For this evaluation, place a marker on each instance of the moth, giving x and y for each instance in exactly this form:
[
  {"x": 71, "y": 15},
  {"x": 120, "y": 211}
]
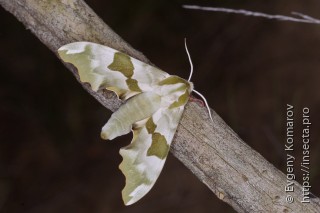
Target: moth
[{"x": 154, "y": 104}]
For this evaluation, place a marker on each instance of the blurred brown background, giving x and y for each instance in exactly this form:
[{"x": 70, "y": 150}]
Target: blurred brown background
[{"x": 51, "y": 156}]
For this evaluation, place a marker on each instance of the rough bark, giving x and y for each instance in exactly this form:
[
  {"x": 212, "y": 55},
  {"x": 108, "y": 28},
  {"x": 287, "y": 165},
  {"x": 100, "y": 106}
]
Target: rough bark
[{"x": 235, "y": 172}]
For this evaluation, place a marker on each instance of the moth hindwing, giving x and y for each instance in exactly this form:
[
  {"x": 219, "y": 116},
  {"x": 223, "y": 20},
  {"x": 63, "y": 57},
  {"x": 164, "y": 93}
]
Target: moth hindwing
[{"x": 155, "y": 102}]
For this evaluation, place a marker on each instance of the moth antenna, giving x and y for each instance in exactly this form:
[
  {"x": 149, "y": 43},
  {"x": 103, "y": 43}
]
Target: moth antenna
[
  {"x": 205, "y": 101},
  {"x": 191, "y": 65}
]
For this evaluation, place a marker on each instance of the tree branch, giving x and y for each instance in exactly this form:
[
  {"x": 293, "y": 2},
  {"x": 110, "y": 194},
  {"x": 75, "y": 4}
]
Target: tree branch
[{"x": 235, "y": 172}]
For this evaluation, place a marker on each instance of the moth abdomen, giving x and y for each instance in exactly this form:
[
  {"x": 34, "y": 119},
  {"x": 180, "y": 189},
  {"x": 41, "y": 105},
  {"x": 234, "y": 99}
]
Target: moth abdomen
[{"x": 136, "y": 109}]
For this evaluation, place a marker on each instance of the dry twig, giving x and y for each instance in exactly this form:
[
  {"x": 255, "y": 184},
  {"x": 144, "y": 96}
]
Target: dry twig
[{"x": 303, "y": 18}]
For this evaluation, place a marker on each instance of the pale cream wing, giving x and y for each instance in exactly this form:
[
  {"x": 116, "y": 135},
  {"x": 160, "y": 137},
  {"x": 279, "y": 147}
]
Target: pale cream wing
[{"x": 106, "y": 68}]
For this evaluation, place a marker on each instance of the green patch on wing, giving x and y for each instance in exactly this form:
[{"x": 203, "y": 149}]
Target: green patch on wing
[
  {"x": 172, "y": 80},
  {"x": 150, "y": 125},
  {"x": 122, "y": 63},
  {"x": 181, "y": 101},
  {"x": 133, "y": 85},
  {"x": 81, "y": 61},
  {"x": 159, "y": 146}
]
